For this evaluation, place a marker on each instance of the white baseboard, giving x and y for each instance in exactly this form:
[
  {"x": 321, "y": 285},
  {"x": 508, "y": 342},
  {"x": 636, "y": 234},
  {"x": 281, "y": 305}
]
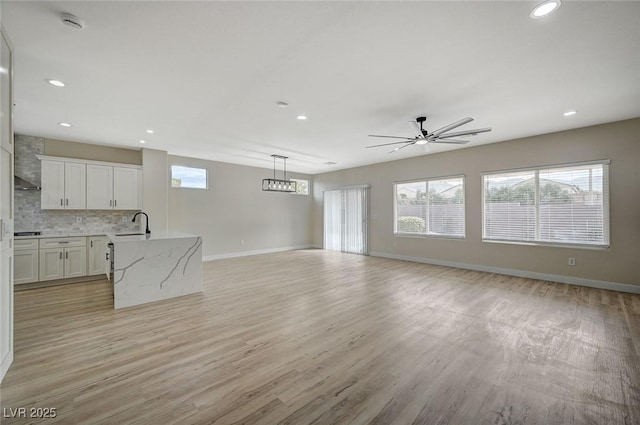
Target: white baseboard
[
  {"x": 317, "y": 246},
  {"x": 6, "y": 363},
  {"x": 255, "y": 252},
  {"x": 601, "y": 284}
]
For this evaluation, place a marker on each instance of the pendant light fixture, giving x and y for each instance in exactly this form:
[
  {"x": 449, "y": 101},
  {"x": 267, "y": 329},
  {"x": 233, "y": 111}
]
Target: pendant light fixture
[{"x": 279, "y": 185}]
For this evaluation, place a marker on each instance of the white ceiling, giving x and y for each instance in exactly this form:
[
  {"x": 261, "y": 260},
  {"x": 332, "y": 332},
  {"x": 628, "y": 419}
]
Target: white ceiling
[{"x": 206, "y": 75}]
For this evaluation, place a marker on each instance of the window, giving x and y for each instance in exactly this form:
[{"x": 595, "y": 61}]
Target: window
[
  {"x": 188, "y": 177},
  {"x": 565, "y": 205},
  {"x": 433, "y": 207},
  {"x": 302, "y": 186}
]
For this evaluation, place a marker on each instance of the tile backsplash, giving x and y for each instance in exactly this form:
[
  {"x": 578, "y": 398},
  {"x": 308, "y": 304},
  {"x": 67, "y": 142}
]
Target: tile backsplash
[{"x": 29, "y": 216}]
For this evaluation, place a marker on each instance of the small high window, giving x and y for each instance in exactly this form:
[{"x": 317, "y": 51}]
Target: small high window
[
  {"x": 302, "y": 186},
  {"x": 188, "y": 177}
]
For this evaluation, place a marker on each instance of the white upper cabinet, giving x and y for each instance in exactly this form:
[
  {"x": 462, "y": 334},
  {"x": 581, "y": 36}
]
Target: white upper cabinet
[
  {"x": 112, "y": 188},
  {"x": 52, "y": 193},
  {"x": 99, "y": 187},
  {"x": 75, "y": 186},
  {"x": 125, "y": 189},
  {"x": 64, "y": 185},
  {"x": 93, "y": 185}
]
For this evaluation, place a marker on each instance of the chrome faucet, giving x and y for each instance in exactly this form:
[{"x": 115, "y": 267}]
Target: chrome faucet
[{"x": 133, "y": 220}]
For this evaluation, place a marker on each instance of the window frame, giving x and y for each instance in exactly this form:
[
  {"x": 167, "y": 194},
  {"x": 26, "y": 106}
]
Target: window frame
[
  {"x": 186, "y": 187},
  {"x": 426, "y": 235},
  {"x": 606, "y": 230}
]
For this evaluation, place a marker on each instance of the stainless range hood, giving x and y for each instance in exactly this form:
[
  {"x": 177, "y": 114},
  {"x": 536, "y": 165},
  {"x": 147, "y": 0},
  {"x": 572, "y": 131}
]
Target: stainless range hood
[{"x": 21, "y": 184}]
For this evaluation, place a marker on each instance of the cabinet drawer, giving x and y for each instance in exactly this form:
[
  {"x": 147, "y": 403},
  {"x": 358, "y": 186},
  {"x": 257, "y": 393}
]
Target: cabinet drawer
[
  {"x": 23, "y": 244},
  {"x": 62, "y": 242}
]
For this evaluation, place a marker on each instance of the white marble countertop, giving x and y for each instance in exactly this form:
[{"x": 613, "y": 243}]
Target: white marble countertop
[
  {"x": 45, "y": 235},
  {"x": 153, "y": 236}
]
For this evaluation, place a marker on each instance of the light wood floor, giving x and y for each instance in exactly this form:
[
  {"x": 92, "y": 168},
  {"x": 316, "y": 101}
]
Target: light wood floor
[{"x": 328, "y": 338}]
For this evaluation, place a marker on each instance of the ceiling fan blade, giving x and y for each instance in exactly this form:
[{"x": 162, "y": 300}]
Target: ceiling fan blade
[
  {"x": 451, "y": 126},
  {"x": 402, "y": 147},
  {"x": 390, "y": 137},
  {"x": 450, "y": 141},
  {"x": 386, "y": 144},
  {"x": 467, "y": 132},
  {"x": 416, "y": 129}
]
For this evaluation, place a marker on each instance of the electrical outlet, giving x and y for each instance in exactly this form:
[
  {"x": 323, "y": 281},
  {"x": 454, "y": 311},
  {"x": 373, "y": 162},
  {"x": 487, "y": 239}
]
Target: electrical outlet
[
  {"x": 79, "y": 219},
  {"x": 125, "y": 218},
  {"x": 572, "y": 261}
]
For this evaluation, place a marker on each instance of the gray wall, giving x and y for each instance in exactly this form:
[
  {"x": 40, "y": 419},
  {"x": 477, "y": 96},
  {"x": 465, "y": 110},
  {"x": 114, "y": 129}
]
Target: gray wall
[
  {"x": 619, "y": 142},
  {"x": 155, "y": 188},
  {"x": 234, "y": 209}
]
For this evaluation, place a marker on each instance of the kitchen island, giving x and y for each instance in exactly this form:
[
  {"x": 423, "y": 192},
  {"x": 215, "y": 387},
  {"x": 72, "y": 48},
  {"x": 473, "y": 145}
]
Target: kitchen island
[{"x": 155, "y": 267}]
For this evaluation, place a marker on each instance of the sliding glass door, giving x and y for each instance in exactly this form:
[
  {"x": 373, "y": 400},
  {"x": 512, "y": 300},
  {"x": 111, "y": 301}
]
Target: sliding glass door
[{"x": 345, "y": 220}]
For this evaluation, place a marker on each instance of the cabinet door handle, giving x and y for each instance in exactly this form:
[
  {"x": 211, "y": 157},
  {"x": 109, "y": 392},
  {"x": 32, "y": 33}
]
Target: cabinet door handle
[
  {"x": 67, "y": 201},
  {"x": 115, "y": 203},
  {"x": 110, "y": 202},
  {"x": 61, "y": 255},
  {"x": 91, "y": 244},
  {"x": 66, "y": 255},
  {"x": 61, "y": 202},
  {"x": 61, "y": 242}
]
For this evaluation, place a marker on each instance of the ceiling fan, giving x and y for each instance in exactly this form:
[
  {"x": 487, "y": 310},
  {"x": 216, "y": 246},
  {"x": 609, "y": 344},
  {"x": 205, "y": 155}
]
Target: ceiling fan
[{"x": 422, "y": 136}]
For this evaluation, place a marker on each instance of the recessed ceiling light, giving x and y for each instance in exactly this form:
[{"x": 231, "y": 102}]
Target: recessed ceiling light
[
  {"x": 545, "y": 8},
  {"x": 53, "y": 82},
  {"x": 143, "y": 141},
  {"x": 150, "y": 131},
  {"x": 569, "y": 113},
  {"x": 282, "y": 104},
  {"x": 302, "y": 117},
  {"x": 64, "y": 124}
]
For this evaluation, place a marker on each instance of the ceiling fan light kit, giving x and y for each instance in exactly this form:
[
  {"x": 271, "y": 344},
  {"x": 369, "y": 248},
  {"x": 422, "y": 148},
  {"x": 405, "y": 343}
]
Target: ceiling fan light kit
[
  {"x": 423, "y": 137},
  {"x": 279, "y": 185}
]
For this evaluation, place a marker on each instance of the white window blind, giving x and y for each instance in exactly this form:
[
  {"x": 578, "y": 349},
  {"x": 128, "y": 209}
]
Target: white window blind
[
  {"x": 345, "y": 220},
  {"x": 565, "y": 205},
  {"x": 433, "y": 207}
]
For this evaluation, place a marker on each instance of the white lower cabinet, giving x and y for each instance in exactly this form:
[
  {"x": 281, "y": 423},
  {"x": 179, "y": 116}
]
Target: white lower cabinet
[
  {"x": 25, "y": 261},
  {"x": 96, "y": 258},
  {"x": 63, "y": 258},
  {"x": 25, "y": 265},
  {"x": 75, "y": 262},
  {"x": 51, "y": 264}
]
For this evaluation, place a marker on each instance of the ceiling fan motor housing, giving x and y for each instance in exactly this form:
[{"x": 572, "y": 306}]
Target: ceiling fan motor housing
[{"x": 420, "y": 120}]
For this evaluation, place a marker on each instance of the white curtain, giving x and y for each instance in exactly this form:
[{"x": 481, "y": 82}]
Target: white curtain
[{"x": 345, "y": 220}]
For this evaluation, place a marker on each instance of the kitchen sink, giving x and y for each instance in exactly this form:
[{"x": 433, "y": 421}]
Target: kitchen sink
[{"x": 129, "y": 234}]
